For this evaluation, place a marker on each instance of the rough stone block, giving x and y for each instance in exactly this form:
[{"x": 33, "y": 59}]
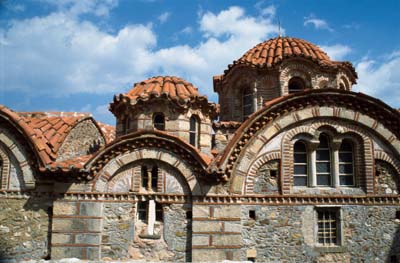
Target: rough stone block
[
  {"x": 227, "y": 240},
  {"x": 227, "y": 211},
  {"x": 63, "y": 224},
  {"x": 232, "y": 227},
  {"x": 237, "y": 184},
  {"x": 90, "y": 209},
  {"x": 67, "y": 252},
  {"x": 200, "y": 240},
  {"x": 93, "y": 253},
  {"x": 201, "y": 211},
  {"x": 61, "y": 239},
  {"x": 64, "y": 208},
  {"x": 202, "y": 255},
  {"x": 92, "y": 239},
  {"x": 206, "y": 226}
]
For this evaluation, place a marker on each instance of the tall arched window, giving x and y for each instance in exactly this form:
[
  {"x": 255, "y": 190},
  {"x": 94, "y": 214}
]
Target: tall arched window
[
  {"x": 247, "y": 102},
  {"x": 323, "y": 161},
  {"x": 300, "y": 175},
  {"x": 346, "y": 161},
  {"x": 159, "y": 121},
  {"x": 296, "y": 84},
  {"x": 194, "y": 131}
]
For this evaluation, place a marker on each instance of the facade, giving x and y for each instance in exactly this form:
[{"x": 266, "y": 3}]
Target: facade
[{"x": 289, "y": 166}]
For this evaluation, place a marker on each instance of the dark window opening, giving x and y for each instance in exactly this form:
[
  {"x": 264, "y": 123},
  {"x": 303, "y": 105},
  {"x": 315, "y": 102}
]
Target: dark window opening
[
  {"x": 251, "y": 259},
  {"x": 142, "y": 211},
  {"x": 154, "y": 178},
  {"x": 341, "y": 86},
  {"x": 300, "y": 169},
  {"x": 393, "y": 259},
  {"x": 273, "y": 173},
  {"x": 159, "y": 121},
  {"x": 159, "y": 212},
  {"x": 296, "y": 84},
  {"x": 398, "y": 214},
  {"x": 247, "y": 103},
  {"x": 194, "y": 131},
  {"x": 189, "y": 215},
  {"x": 145, "y": 177},
  {"x": 252, "y": 214}
]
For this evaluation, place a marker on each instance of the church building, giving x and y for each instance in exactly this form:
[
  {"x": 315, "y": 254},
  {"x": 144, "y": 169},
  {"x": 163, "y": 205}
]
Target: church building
[{"x": 291, "y": 165}]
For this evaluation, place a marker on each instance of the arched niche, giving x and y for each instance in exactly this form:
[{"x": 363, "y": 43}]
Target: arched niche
[{"x": 117, "y": 164}]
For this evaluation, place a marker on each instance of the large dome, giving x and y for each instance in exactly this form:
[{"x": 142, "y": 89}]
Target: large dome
[{"x": 273, "y": 51}]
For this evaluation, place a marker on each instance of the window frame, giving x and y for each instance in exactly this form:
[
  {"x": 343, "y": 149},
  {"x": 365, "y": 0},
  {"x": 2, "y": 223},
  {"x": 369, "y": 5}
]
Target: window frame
[
  {"x": 303, "y": 164},
  {"x": 247, "y": 102},
  {"x": 337, "y": 211},
  {"x": 350, "y": 142},
  {"x": 194, "y": 131}
]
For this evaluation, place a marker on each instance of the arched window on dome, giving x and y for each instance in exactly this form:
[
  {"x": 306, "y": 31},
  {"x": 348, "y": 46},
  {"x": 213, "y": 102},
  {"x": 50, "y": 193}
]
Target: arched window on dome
[
  {"x": 159, "y": 121},
  {"x": 194, "y": 131},
  {"x": 247, "y": 102},
  {"x": 296, "y": 84}
]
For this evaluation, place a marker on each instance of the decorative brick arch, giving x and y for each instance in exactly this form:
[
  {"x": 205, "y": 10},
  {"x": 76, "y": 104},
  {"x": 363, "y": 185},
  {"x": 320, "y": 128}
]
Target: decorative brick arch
[
  {"x": 295, "y": 69},
  {"x": 4, "y": 169},
  {"x": 340, "y": 130},
  {"x": 381, "y": 155},
  {"x": 260, "y": 161},
  {"x": 8, "y": 145},
  {"x": 110, "y": 169}
]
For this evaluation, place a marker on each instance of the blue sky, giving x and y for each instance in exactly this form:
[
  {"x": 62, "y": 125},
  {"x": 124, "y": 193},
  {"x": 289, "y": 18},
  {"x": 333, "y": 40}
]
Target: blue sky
[{"x": 74, "y": 55}]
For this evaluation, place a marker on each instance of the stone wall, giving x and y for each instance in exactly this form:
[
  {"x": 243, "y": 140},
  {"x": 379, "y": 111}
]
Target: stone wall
[
  {"x": 24, "y": 229},
  {"x": 287, "y": 234}
]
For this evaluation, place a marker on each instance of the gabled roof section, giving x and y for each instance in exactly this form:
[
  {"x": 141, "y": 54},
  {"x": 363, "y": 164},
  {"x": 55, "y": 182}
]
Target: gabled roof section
[{"x": 108, "y": 131}]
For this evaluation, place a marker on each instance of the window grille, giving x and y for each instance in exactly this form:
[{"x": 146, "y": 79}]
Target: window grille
[
  {"x": 327, "y": 227},
  {"x": 142, "y": 211},
  {"x": 346, "y": 167},
  {"x": 323, "y": 162}
]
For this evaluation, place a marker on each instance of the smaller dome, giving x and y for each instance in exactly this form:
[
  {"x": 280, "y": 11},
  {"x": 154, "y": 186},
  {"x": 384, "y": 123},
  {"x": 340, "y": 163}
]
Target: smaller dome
[{"x": 173, "y": 88}]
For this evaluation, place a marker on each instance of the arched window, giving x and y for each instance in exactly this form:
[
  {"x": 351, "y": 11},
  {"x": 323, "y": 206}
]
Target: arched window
[
  {"x": 323, "y": 161},
  {"x": 300, "y": 175},
  {"x": 145, "y": 177},
  {"x": 159, "y": 121},
  {"x": 247, "y": 102},
  {"x": 154, "y": 178},
  {"x": 341, "y": 86},
  {"x": 296, "y": 84},
  {"x": 194, "y": 131},
  {"x": 346, "y": 163}
]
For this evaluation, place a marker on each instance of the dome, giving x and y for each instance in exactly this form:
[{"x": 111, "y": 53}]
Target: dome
[
  {"x": 170, "y": 88},
  {"x": 174, "y": 88},
  {"x": 273, "y": 51}
]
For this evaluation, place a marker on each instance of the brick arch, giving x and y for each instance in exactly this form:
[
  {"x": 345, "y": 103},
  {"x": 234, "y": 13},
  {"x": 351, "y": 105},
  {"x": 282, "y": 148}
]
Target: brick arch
[
  {"x": 340, "y": 130},
  {"x": 295, "y": 70},
  {"x": 107, "y": 173},
  {"x": 5, "y": 169},
  {"x": 383, "y": 156},
  {"x": 260, "y": 161},
  {"x": 9, "y": 146}
]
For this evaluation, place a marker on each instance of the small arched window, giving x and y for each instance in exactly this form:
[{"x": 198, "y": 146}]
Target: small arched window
[
  {"x": 346, "y": 163},
  {"x": 341, "y": 86},
  {"x": 247, "y": 102},
  {"x": 145, "y": 177},
  {"x": 159, "y": 121},
  {"x": 154, "y": 178},
  {"x": 194, "y": 131},
  {"x": 296, "y": 84},
  {"x": 300, "y": 175},
  {"x": 323, "y": 161}
]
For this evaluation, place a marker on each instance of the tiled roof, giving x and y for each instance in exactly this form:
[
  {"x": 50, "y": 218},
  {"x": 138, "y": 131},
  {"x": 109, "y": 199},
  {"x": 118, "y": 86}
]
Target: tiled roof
[
  {"x": 272, "y": 52},
  {"x": 51, "y": 128},
  {"x": 108, "y": 131},
  {"x": 173, "y": 88}
]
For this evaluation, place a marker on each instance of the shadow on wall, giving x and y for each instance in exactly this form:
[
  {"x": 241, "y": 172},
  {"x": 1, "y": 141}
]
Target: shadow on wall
[{"x": 394, "y": 253}]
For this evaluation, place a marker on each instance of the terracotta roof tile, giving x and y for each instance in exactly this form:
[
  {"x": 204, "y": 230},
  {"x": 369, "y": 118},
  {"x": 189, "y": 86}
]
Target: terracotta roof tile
[
  {"x": 272, "y": 52},
  {"x": 108, "y": 131},
  {"x": 49, "y": 129}
]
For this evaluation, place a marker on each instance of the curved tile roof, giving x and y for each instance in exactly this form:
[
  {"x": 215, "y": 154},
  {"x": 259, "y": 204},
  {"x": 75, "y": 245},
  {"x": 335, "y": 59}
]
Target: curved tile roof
[{"x": 273, "y": 51}]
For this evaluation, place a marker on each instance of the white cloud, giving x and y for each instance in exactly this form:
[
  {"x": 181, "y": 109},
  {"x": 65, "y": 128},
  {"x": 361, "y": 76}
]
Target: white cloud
[
  {"x": 337, "y": 52},
  {"x": 60, "y": 54},
  {"x": 381, "y": 79},
  {"x": 78, "y": 7},
  {"x": 317, "y": 23},
  {"x": 164, "y": 17}
]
